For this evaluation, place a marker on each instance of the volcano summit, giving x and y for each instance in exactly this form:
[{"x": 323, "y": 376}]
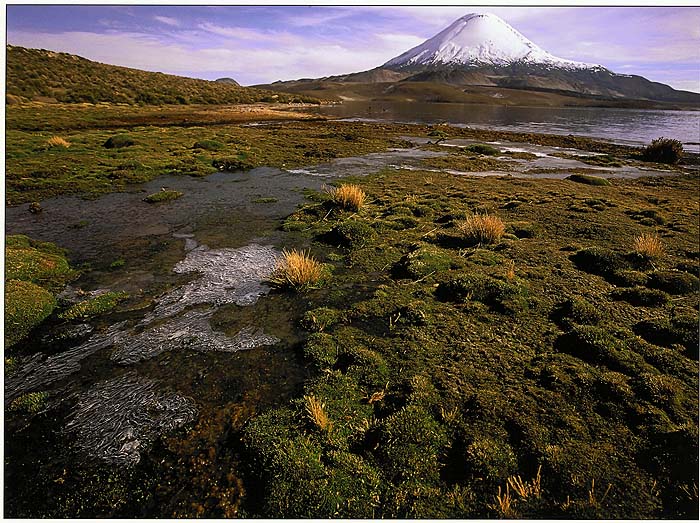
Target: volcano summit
[{"x": 477, "y": 40}]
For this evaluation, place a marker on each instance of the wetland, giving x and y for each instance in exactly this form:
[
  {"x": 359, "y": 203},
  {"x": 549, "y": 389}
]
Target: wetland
[{"x": 153, "y": 368}]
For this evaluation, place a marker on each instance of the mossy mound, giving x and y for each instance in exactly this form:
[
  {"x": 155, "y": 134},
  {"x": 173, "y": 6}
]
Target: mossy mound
[
  {"x": 588, "y": 179},
  {"x": 118, "y": 141},
  {"x": 352, "y": 234},
  {"x": 422, "y": 262},
  {"x": 501, "y": 296},
  {"x": 26, "y": 306},
  {"x": 598, "y": 346},
  {"x": 240, "y": 162},
  {"x": 681, "y": 330},
  {"x": 208, "y": 145},
  {"x": 30, "y": 403},
  {"x": 674, "y": 282},
  {"x": 642, "y": 297},
  {"x": 318, "y": 320},
  {"x": 99, "y": 305},
  {"x": 600, "y": 261},
  {"x": 42, "y": 263},
  {"x": 481, "y": 148},
  {"x": 163, "y": 196},
  {"x": 578, "y": 311}
]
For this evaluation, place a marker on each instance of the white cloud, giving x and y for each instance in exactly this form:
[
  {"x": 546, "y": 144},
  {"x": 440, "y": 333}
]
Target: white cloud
[
  {"x": 247, "y": 65},
  {"x": 167, "y": 20}
]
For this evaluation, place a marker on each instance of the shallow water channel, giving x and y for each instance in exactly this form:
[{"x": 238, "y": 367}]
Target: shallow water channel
[{"x": 200, "y": 332}]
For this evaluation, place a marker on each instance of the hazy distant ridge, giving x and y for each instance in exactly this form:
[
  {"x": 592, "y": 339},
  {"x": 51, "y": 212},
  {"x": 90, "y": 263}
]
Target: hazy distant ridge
[{"x": 34, "y": 74}]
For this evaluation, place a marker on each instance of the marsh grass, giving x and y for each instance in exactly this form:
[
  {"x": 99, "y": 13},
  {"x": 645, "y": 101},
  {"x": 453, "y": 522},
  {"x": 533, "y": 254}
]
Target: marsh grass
[
  {"x": 648, "y": 246},
  {"x": 482, "y": 228},
  {"x": 297, "y": 270},
  {"x": 349, "y": 197},
  {"x": 57, "y": 141}
]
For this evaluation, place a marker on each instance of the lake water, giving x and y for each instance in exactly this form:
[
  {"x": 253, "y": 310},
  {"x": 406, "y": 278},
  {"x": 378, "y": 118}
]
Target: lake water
[{"x": 626, "y": 126}]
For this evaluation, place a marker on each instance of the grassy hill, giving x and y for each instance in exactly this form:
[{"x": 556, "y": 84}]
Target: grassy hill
[{"x": 41, "y": 75}]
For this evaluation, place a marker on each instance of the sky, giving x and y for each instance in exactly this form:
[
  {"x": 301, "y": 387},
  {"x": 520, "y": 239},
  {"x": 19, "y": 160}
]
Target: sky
[{"x": 262, "y": 44}]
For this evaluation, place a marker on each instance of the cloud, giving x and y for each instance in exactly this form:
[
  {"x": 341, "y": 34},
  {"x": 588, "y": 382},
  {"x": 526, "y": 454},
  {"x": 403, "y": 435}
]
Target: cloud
[
  {"x": 248, "y": 65},
  {"x": 167, "y": 20}
]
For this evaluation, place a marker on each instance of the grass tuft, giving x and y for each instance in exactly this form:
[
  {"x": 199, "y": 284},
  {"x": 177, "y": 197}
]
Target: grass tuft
[
  {"x": 350, "y": 197},
  {"x": 482, "y": 228},
  {"x": 316, "y": 410},
  {"x": 57, "y": 141},
  {"x": 297, "y": 270},
  {"x": 648, "y": 246}
]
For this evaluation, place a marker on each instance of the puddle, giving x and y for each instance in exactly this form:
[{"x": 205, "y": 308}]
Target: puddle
[
  {"x": 544, "y": 160},
  {"x": 369, "y": 163}
]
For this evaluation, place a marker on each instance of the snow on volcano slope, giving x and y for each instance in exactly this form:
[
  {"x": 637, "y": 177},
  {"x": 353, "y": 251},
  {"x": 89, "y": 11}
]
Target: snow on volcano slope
[{"x": 481, "y": 39}]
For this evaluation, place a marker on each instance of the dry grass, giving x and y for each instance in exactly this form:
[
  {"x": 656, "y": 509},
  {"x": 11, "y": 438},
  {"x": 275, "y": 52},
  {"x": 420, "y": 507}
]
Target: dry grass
[
  {"x": 350, "y": 197},
  {"x": 297, "y": 270},
  {"x": 593, "y": 499},
  {"x": 527, "y": 489},
  {"x": 482, "y": 228},
  {"x": 316, "y": 411},
  {"x": 449, "y": 416},
  {"x": 648, "y": 246},
  {"x": 510, "y": 270},
  {"x": 504, "y": 503},
  {"x": 57, "y": 141}
]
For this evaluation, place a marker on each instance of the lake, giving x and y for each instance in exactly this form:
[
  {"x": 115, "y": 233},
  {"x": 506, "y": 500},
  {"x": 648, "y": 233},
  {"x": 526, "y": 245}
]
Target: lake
[{"x": 625, "y": 126}]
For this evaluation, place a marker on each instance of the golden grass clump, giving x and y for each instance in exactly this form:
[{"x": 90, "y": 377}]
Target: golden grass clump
[
  {"x": 527, "y": 489},
  {"x": 57, "y": 141},
  {"x": 482, "y": 228},
  {"x": 349, "y": 196},
  {"x": 648, "y": 246},
  {"x": 504, "y": 503},
  {"x": 316, "y": 411},
  {"x": 297, "y": 270}
]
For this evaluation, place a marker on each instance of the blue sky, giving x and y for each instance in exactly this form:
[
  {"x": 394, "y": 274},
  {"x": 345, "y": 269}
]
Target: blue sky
[{"x": 261, "y": 44}]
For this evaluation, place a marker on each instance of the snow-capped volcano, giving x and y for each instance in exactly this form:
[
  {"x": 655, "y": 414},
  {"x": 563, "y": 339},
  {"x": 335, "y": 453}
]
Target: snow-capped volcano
[{"x": 480, "y": 39}]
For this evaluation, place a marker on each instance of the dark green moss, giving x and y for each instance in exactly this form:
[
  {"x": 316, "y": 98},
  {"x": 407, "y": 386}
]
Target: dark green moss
[
  {"x": 241, "y": 162},
  {"x": 680, "y": 330},
  {"x": 480, "y": 148},
  {"x": 353, "y": 234},
  {"x": 588, "y": 179},
  {"x": 163, "y": 196},
  {"x": 599, "y": 261},
  {"x": 318, "y": 320},
  {"x": 422, "y": 262},
  {"x": 409, "y": 445},
  {"x": 499, "y": 295},
  {"x": 26, "y": 306},
  {"x": 577, "y": 310},
  {"x": 118, "y": 141},
  {"x": 208, "y": 145},
  {"x": 321, "y": 350},
  {"x": 30, "y": 403},
  {"x": 674, "y": 282},
  {"x": 99, "y": 305},
  {"x": 598, "y": 346},
  {"x": 628, "y": 278},
  {"x": 642, "y": 297}
]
